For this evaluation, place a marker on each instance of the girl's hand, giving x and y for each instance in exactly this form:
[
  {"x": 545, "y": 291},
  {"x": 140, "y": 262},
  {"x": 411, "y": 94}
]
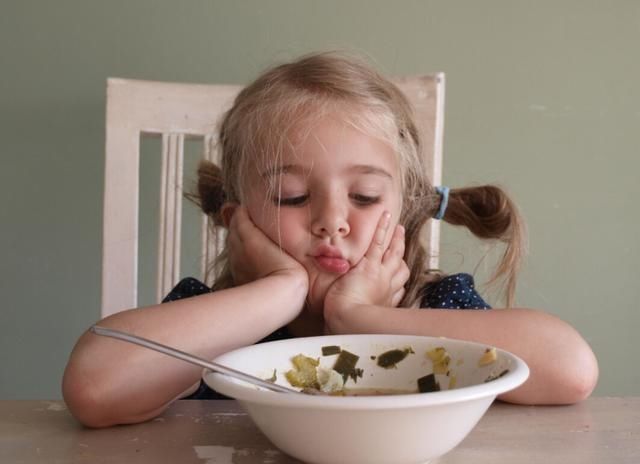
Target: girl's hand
[
  {"x": 253, "y": 255},
  {"x": 378, "y": 279}
]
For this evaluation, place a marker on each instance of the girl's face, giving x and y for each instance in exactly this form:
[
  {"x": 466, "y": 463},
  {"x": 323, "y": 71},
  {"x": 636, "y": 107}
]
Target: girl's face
[{"x": 332, "y": 188}]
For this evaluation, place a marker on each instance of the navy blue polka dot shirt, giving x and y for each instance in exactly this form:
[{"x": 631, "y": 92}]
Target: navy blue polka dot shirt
[{"x": 456, "y": 291}]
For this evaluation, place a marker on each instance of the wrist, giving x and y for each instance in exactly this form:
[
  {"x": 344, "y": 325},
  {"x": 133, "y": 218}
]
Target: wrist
[
  {"x": 340, "y": 315},
  {"x": 296, "y": 282}
]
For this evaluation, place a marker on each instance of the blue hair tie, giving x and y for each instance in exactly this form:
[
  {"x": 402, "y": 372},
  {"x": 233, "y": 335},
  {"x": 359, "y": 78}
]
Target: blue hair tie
[{"x": 444, "y": 201}]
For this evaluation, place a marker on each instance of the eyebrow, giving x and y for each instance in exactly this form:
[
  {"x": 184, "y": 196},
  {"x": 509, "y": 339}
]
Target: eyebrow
[
  {"x": 285, "y": 169},
  {"x": 369, "y": 169},
  {"x": 299, "y": 170}
]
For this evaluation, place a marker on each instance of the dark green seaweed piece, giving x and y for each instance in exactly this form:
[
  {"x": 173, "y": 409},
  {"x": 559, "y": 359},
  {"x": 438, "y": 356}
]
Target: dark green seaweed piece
[
  {"x": 329, "y": 350},
  {"x": 357, "y": 372},
  {"x": 495, "y": 377},
  {"x": 390, "y": 358},
  {"x": 346, "y": 365},
  {"x": 428, "y": 383}
]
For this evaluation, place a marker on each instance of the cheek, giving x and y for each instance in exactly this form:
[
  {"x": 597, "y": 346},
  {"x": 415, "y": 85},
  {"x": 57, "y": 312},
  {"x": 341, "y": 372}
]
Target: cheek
[
  {"x": 282, "y": 228},
  {"x": 367, "y": 224},
  {"x": 362, "y": 230}
]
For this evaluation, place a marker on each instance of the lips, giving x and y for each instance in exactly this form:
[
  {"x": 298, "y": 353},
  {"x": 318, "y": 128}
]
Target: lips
[{"x": 330, "y": 259}]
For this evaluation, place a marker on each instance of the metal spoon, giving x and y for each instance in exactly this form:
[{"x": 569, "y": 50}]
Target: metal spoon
[{"x": 190, "y": 358}]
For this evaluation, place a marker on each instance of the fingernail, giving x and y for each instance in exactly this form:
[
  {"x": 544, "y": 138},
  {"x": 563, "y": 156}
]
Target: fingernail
[{"x": 401, "y": 229}]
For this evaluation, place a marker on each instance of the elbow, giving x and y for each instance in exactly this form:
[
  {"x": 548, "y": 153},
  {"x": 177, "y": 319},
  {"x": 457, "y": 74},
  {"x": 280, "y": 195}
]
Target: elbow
[
  {"x": 568, "y": 379},
  {"x": 575, "y": 377},
  {"x": 96, "y": 405},
  {"x": 83, "y": 400},
  {"x": 574, "y": 374},
  {"x": 584, "y": 378}
]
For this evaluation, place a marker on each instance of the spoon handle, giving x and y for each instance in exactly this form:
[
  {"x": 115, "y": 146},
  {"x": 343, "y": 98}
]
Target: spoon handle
[{"x": 103, "y": 331}]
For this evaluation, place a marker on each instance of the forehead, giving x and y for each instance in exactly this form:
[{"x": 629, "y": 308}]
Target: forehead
[
  {"x": 335, "y": 142},
  {"x": 340, "y": 144}
]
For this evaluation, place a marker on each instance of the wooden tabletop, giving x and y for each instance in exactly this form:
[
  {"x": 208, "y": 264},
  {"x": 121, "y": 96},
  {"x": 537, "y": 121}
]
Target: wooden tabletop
[{"x": 599, "y": 430}]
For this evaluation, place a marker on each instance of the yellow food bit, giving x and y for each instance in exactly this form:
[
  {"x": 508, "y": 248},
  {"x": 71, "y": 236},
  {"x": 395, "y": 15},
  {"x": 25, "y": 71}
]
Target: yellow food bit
[
  {"x": 437, "y": 354},
  {"x": 440, "y": 359},
  {"x": 488, "y": 357},
  {"x": 304, "y": 375},
  {"x": 452, "y": 382},
  {"x": 302, "y": 362}
]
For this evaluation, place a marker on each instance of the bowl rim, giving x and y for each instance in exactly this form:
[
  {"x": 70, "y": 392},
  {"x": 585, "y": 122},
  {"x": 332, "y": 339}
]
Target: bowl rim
[{"x": 242, "y": 391}]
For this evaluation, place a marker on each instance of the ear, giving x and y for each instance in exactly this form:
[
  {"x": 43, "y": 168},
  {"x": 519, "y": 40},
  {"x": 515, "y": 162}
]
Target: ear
[{"x": 226, "y": 213}]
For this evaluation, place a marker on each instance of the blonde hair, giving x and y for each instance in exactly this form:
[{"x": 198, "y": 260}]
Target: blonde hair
[{"x": 292, "y": 96}]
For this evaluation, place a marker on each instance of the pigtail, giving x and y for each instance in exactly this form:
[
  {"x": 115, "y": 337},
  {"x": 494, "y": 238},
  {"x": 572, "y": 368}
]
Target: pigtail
[
  {"x": 489, "y": 213},
  {"x": 210, "y": 194}
]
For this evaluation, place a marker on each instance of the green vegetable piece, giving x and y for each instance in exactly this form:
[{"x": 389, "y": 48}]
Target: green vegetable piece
[
  {"x": 428, "y": 383},
  {"x": 357, "y": 372},
  {"x": 346, "y": 365},
  {"x": 390, "y": 358},
  {"x": 330, "y": 350}
]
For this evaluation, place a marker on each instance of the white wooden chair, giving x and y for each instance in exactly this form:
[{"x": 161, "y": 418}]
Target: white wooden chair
[{"x": 176, "y": 111}]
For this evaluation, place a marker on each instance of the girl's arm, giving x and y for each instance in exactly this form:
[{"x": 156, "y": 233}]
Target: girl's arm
[
  {"x": 109, "y": 382},
  {"x": 563, "y": 368}
]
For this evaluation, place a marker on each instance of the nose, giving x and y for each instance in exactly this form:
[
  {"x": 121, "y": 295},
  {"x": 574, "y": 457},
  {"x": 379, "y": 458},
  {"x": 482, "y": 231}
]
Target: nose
[{"x": 329, "y": 219}]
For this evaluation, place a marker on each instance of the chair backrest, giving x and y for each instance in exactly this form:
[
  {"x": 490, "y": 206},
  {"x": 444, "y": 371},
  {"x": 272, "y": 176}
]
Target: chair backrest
[{"x": 176, "y": 111}]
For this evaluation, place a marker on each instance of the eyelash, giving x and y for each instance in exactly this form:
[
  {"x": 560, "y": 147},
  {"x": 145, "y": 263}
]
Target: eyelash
[
  {"x": 360, "y": 200},
  {"x": 292, "y": 201}
]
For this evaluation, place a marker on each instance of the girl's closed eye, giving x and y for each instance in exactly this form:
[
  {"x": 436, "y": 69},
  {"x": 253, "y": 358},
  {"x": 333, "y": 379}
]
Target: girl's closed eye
[
  {"x": 297, "y": 200},
  {"x": 365, "y": 200}
]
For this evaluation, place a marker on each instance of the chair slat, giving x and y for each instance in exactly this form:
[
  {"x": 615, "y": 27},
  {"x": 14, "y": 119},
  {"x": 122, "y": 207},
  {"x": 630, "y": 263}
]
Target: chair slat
[
  {"x": 208, "y": 248},
  {"x": 170, "y": 213},
  {"x": 177, "y": 192}
]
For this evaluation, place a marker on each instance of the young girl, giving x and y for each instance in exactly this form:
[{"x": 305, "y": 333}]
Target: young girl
[{"x": 324, "y": 193}]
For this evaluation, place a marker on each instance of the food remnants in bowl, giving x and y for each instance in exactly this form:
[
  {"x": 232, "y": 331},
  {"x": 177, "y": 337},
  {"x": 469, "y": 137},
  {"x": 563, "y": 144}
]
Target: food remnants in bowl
[
  {"x": 440, "y": 359},
  {"x": 311, "y": 377},
  {"x": 345, "y": 365},
  {"x": 428, "y": 383},
  {"x": 488, "y": 357},
  {"x": 390, "y": 359},
  {"x": 308, "y": 374},
  {"x": 304, "y": 373}
]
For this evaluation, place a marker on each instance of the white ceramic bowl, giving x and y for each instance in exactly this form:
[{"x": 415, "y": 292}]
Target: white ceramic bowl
[{"x": 401, "y": 429}]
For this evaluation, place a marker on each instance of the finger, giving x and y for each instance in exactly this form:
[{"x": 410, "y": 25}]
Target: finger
[
  {"x": 397, "y": 297},
  {"x": 399, "y": 277},
  {"x": 395, "y": 252},
  {"x": 243, "y": 223},
  {"x": 376, "y": 248}
]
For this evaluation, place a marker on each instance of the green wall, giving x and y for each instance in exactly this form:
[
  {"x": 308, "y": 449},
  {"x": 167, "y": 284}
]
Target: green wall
[{"x": 542, "y": 98}]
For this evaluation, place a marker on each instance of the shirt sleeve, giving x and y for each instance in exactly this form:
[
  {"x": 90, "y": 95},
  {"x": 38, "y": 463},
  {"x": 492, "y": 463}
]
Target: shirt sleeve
[
  {"x": 456, "y": 291},
  {"x": 186, "y": 288}
]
